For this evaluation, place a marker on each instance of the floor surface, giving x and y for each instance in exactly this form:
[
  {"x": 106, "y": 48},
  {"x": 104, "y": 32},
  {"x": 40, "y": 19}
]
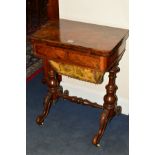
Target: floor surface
[{"x": 69, "y": 128}]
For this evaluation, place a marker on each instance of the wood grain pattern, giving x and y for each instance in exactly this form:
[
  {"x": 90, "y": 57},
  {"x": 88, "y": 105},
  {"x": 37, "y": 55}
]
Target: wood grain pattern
[
  {"x": 71, "y": 57},
  {"x": 85, "y": 60},
  {"x": 84, "y": 37},
  {"x": 58, "y": 53}
]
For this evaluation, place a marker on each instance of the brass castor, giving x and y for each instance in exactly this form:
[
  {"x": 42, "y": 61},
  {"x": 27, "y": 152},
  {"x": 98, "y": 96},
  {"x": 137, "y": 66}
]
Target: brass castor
[
  {"x": 40, "y": 120},
  {"x": 98, "y": 145}
]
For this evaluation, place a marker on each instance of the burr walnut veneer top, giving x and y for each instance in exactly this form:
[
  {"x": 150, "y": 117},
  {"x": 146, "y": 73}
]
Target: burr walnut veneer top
[{"x": 87, "y": 38}]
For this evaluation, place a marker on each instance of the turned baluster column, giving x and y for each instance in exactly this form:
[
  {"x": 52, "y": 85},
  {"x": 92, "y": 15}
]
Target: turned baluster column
[
  {"x": 110, "y": 105},
  {"x": 110, "y": 99}
]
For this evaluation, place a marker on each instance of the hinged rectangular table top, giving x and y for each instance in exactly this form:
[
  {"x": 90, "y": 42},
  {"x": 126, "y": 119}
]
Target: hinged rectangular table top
[{"x": 87, "y": 38}]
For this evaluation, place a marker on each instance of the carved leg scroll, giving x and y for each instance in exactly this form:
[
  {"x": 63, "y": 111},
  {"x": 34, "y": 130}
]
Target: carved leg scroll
[
  {"x": 47, "y": 106},
  {"x": 53, "y": 91},
  {"x": 110, "y": 108}
]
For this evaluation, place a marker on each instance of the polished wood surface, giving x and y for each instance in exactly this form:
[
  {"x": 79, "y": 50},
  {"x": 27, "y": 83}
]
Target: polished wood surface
[
  {"x": 54, "y": 42},
  {"x": 89, "y": 38},
  {"x": 53, "y": 9},
  {"x": 52, "y": 95},
  {"x": 88, "y": 46},
  {"x": 110, "y": 108}
]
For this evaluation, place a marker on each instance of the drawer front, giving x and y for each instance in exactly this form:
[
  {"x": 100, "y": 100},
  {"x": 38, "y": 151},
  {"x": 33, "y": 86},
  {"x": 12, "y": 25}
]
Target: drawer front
[
  {"x": 50, "y": 52},
  {"x": 71, "y": 57},
  {"x": 84, "y": 60}
]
